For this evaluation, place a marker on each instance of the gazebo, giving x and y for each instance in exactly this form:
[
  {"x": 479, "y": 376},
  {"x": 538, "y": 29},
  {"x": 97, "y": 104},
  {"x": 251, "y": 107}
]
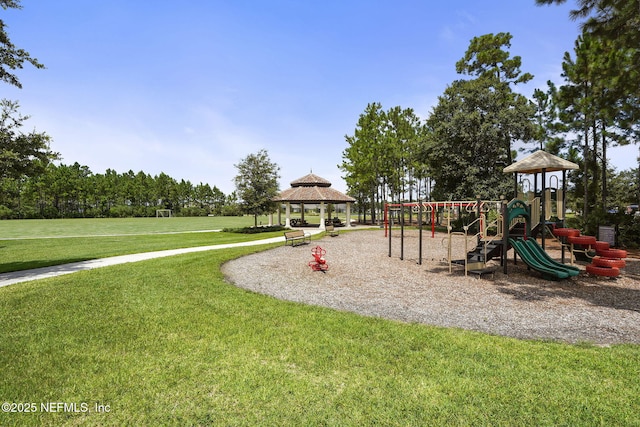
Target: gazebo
[{"x": 313, "y": 189}]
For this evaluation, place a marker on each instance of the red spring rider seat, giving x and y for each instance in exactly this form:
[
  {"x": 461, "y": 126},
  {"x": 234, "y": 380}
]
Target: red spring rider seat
[{"x": 318, "y": 263}]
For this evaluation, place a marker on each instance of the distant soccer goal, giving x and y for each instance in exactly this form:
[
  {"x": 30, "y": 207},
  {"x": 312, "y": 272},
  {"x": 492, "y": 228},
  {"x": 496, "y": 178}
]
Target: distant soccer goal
[{"x": 163, "y": 213}]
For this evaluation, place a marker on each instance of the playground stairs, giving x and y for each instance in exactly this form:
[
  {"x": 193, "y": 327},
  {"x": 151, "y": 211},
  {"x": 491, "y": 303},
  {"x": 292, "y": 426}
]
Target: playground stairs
[
  {"x": 480, "y": 256},
  {"x": 477, "y": 259},
  {"x": 483, "y": 255}
]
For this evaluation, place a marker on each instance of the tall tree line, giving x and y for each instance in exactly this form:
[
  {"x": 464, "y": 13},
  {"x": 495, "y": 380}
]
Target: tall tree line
[
  {"x": 598, "y": 106},
  {"x": 460, "y": 150},
  {"x": 73, "y": 191},
  {"x": 381, "y": 160},
  {"x": 468, "y": 137},
  {"x": 32, "y": 186}
]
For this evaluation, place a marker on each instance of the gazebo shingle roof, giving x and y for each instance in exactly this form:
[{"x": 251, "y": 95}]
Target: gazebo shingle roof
[
  {"x": 310, "y": 181},
  {"x": 312, "y": 189}
]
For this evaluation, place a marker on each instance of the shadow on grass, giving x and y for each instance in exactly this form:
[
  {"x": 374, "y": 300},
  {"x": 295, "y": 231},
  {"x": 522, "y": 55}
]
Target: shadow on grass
[{"x": 31, "y": 265}]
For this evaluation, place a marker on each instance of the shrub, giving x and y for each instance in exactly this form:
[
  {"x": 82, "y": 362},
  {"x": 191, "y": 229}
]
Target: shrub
[
  {"x": 192, "y": 211},
  {"x": 254, "y": 230},
  {"x": 5, "y": 212},
  {"x": 120, "y": 211},
  {"x": 627, "y": 226}
]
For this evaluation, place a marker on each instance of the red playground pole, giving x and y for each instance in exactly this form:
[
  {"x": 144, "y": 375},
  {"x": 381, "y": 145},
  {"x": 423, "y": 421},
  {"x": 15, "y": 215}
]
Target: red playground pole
[{"x": 433, "y": 222}]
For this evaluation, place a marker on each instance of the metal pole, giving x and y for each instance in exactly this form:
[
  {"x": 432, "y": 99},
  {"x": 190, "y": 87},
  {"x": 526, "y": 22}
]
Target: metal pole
[
  {"x": 420, "y": 232},
  {"x": 390, "y": 226},
  {"x": 386, "y": 218},
  {"x": 505, "y": 235},
  {"x": 542, "y": 199},
  {"x": 433, "y": 220},
  {"x": 402, "y": 231},
  {"x": 564, "y": 209}
]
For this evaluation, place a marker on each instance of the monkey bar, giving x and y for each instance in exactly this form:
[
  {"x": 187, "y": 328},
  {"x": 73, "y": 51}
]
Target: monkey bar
[{"x": 478, "y": 206}]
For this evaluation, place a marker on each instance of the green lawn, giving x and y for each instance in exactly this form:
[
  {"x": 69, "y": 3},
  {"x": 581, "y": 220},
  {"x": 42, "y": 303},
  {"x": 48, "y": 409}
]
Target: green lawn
[
  {"x": 168, "y": 342},
  {"x": 39, "y": 228},
  {"x": 100, "y": 238}
]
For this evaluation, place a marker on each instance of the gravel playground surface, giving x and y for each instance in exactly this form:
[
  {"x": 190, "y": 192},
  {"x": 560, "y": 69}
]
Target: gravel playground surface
[{"x": 363, "y": 279}]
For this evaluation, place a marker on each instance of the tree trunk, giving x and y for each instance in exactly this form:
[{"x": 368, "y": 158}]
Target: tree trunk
[
  {"x": 596, "y": 166},
  {"x": 604, "y": 168},
  {"x": 638, "y": 182},
  {"x": 585, "y": 181}
]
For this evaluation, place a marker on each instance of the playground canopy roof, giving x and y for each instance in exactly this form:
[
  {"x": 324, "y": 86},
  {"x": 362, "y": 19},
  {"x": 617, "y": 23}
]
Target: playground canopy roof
[
  {"x": 538, "y": 161},
  {"x": 312, "y": 189}
]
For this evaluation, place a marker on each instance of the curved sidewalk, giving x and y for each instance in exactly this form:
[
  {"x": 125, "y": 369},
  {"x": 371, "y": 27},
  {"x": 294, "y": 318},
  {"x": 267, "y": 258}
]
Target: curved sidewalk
[{"x": 14, "y": 277}]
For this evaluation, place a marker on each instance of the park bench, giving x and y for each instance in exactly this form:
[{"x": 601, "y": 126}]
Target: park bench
[
  {"x": 331, "y": 230},
  {"x": 296, "y": 237}
]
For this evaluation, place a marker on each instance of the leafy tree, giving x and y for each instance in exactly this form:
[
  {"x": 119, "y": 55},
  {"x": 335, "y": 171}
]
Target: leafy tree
[
  {"x": 592, "y": 110},
  {"x": 166, "y": 191},
  {"x": 382, "y": 160},
  {"x": 486, "y": 59},
  {"x": 257, "y": 184},
  {"x": 624, "y": 189},
  {"x": 617, "y": 22},
  {"x": 547, "y": 122},
  {"x": 12, "y": 58},
  {"x": 362, "y": 159},
  {"x": 21, "y": 154},
  {"x": 402, "y": 134},
  {"x": 470, "y": 131},
  {"x": 463, "y": 156}
]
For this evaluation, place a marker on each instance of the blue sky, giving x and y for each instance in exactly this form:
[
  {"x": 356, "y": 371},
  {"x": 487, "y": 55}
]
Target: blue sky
[{"x": 190, "y": 88}]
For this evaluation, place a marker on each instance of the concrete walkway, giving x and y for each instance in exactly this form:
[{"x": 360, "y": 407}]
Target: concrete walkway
[{"x": 14, "y": 277}]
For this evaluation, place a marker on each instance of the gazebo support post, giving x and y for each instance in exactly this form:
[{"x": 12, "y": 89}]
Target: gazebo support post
[
  {"x": 287, "y": 221},
  {"x": 348, "y": 214},
  {"x": 322, "y": 226}
]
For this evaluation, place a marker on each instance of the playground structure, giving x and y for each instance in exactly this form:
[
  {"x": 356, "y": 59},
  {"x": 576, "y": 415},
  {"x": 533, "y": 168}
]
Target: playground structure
[
  {"x": 319, "y": 263},
  {"x": 487, "y": 225},
  {"x": 503, "y": 225},
  {"x": 499, "y": 227}
]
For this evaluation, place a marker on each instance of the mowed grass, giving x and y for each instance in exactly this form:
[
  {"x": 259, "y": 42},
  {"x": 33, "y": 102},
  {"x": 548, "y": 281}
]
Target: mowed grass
[
  {"x": 80, "y": 227},
  {"x": 169, "y": 342},
  {"x": 39, "y": 243}
]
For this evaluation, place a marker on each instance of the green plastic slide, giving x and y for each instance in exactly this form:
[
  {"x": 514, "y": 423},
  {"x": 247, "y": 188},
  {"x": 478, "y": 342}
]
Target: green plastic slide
[
  {"x": 541, "y": 254},
  {"x": 527, "y": 256}
]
